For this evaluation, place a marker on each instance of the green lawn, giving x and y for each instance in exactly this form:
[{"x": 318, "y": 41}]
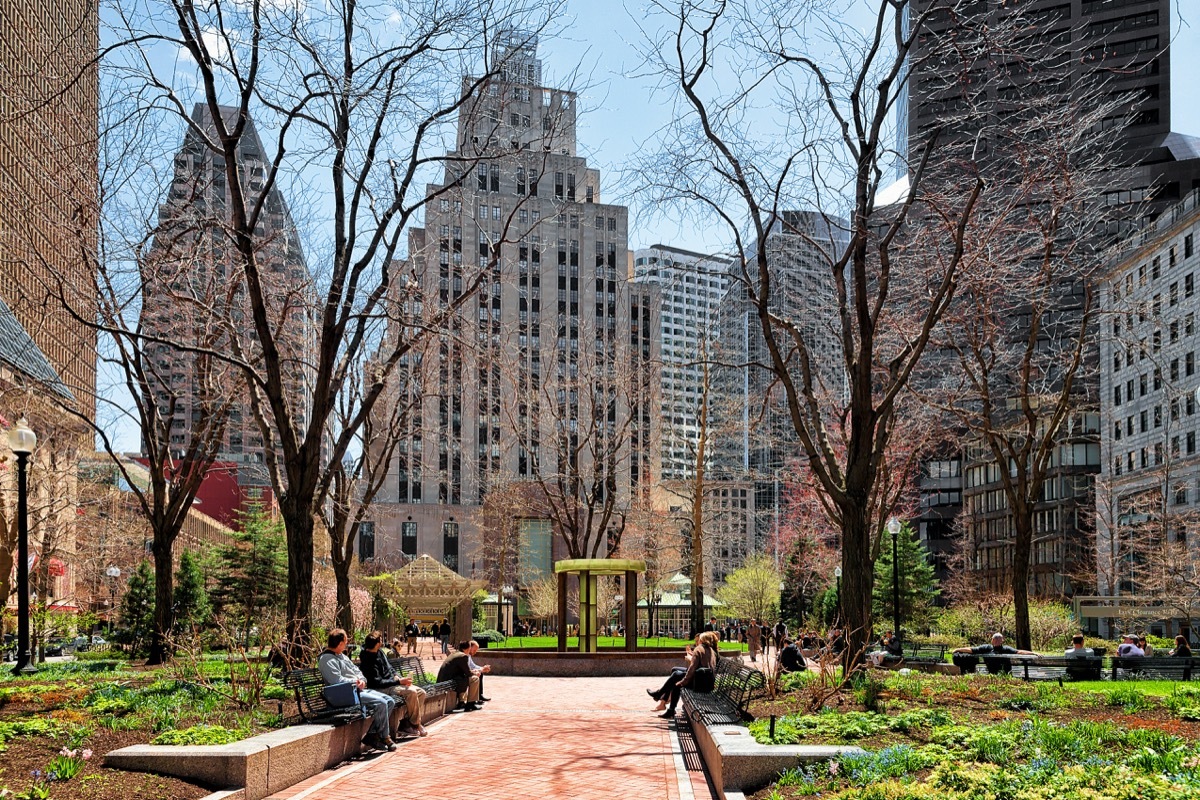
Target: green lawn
[{"x": 1155, "y": 688}]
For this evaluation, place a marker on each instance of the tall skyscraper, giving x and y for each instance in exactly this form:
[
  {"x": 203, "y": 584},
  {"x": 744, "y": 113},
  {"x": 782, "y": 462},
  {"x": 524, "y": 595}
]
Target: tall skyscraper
[
  {"x": 1148, "y": 497},
  {"x": 758, "y": 439},
  {"x": 48, "y": 178},
  {"x": 1123, "y": 45},
  {"x": 692, "y": 286},
  {"x": 1126, "y": 43},
  {"x": 193, "y": 296},
  {"x": 543, "y": 375}
]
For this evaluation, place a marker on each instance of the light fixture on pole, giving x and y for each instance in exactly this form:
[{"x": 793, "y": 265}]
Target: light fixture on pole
[
  {"x": 837, "y": 573},
  {"x": 893, "y": 527},
  {"x": 22, "y": 440},
  {"x": 113, "y": 573}
]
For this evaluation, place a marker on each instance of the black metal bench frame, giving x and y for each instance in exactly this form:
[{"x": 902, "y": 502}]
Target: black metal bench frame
[
  {"x": 918, "y": 654},
  {"x": 1031, "y": 668},
  {"x": 309, "y": 688},
  {"x": 1155, "y": 668},
  {"x": 728, "y": 703},
  {"x": 411, "y": 667}
]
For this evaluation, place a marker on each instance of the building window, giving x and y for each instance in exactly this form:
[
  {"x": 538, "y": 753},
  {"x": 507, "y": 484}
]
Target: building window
[
  {"x": 408, "y": 539},
  {"x": 366, "y": 541},
  {"x": 450, "y": 545}
]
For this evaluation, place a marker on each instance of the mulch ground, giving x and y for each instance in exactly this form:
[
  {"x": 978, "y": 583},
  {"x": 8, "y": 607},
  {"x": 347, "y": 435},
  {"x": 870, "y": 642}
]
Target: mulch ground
[
  {"x": 980, "y": 705},
  {"x": 94, "y": 782}
]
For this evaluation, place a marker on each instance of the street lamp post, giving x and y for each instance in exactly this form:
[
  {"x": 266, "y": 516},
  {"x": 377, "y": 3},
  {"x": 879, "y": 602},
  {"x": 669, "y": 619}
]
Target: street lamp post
[
  {"x": 22, "y": 440},
  {"x": 837, "y": 573},
  {"x": 113, "y": 573},
  {"x": 893, "y": 527}
]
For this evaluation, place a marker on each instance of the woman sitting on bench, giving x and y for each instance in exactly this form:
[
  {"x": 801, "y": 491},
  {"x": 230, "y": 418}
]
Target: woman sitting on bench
[{"x": 699, "y": 675}]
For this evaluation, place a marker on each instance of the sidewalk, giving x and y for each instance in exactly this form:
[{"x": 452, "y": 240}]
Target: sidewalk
[{"x": 539, "y": 738}]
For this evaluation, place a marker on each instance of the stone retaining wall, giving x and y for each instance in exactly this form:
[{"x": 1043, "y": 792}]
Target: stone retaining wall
[
  {"x": 738, "y": 764},
  {"x": 265, "y": 764}
]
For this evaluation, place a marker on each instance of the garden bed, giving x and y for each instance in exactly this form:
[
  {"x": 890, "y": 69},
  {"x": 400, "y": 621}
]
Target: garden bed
[
  {"x": 57, "y": 725},
  {"x": 988, "y": 738}
]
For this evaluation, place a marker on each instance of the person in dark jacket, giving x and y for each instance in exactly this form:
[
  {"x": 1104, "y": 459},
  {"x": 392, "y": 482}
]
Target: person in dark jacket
[
  {"x": 457, "y": 668},
  {"x": 790, "y": 657},
  {"x": 443, "y": 632},
  {"x": 382, "y": 677}
]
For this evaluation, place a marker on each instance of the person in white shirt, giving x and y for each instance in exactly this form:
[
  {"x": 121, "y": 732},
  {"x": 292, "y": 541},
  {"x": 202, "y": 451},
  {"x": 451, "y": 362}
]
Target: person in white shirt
[
  {"x": 478, "y": 670},
  {"x": 1129, "y": 648},
  {"x": 336, "y": 667}
]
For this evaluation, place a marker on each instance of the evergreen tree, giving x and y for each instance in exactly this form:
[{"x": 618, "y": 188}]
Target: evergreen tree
[
  {"x": 918, "y": 587},
  {"x": 252, "y": 577},
  {"x": 192, "y": 607},
  {"x": 137, "y": 609}
]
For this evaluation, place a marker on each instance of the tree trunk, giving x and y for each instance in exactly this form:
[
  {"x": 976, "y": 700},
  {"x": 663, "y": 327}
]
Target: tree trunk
[
  {"x": 857, "y": 580},
  {"x": 298, "y": 523},
  {"x": 345, "y": 614},
  {"x": 164, "y": 600},
  {"x": 1022, "y": 543}
]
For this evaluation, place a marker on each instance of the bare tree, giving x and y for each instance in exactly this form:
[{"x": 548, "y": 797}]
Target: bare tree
[
  {"x": 356, "y": 483},
  {"x": 835, "y": 85},
  {"x": 1023, "y": 332},
  {"x": 573, "y": 430},
  {"x": 359, "y": 98}
]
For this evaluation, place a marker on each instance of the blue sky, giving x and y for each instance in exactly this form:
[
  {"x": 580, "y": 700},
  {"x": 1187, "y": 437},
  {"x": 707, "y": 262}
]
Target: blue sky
[{"x": 619, "y": 113}]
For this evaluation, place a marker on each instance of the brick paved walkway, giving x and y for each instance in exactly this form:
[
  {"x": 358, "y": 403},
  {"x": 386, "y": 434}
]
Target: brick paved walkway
[{"x": 539, "y": 738}]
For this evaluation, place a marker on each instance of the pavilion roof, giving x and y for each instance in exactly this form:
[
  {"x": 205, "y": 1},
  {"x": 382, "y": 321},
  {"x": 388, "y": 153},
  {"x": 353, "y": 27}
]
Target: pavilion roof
[{"x": 428, "y": 587}]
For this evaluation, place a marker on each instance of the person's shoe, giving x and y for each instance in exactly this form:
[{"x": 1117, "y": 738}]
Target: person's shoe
[
  {"x": 483, "y": 699},
  {"x": 668, "y": 714},
  {"x": 374, "y": 743},
  {"x": 421, "y": 731},
  {"x": 472, "y": 707},
  {"x": 653, "y": 695},
  {"x": 389, "y": 745}
]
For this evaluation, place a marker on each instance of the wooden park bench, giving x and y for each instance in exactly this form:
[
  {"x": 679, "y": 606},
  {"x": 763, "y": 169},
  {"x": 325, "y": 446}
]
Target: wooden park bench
[
  {"x": 309, "y": 688},
  {"x": 411, "y": 667},
  {"x": 1155, "y": 668},
  {"x": 729, "y": 701}
]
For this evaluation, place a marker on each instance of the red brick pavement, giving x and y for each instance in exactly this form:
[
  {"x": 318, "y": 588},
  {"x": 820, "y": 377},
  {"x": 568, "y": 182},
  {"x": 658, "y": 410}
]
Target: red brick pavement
[{"x": 539, "y": 738}]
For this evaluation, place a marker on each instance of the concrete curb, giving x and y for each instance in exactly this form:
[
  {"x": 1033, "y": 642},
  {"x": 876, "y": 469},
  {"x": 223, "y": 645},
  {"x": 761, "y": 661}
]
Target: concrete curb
[
  {"x": 262, "y": 765},
  {"x": 738, "y": 764}
]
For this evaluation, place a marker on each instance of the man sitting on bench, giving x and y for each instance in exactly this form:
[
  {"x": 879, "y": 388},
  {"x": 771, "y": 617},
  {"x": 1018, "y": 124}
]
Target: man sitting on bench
[
  {"x": 996, "y": 648},
  {"x": 457, "y": 668},
  {"x": 381, "y": 677},
  {"x": 336, "y": 668}
]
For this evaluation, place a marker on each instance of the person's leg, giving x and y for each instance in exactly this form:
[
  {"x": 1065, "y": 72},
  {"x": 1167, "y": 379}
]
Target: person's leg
[
  {"x": 380, "y": 705},
  {"x": 677, "y": 673},
  {"x": 414, "y": 706}
]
